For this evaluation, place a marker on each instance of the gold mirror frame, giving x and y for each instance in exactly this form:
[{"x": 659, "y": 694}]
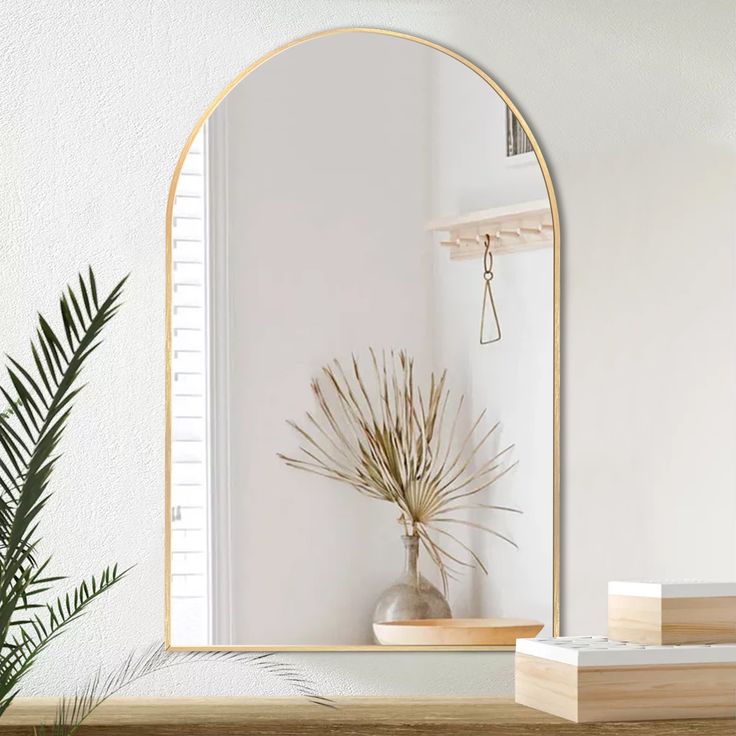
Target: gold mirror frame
[{"x": 556, "y": 360}]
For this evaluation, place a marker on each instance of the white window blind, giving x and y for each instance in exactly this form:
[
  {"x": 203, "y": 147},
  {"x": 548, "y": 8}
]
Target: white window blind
[{"x": 191, "y": 564}]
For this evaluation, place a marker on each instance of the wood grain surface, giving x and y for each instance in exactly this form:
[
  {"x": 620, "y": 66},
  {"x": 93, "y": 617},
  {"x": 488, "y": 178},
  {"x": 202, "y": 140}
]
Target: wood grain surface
[
  {"x": 635, "y": 618},
  {"x": 638, "y": 693},
  {"x": 351, "y": 716},
  {"x": 672, "y": 620},
  {"x": 657, "y": 691},
  {"x": 457, "y": 631},
  {"x": 698, "y": 620}
]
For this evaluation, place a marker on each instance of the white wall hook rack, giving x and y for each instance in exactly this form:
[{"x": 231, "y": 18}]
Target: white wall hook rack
[{"x": 512, "y": 228}]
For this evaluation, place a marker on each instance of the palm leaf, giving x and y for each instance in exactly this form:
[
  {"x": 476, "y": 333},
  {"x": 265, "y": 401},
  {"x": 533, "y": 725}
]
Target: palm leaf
[
  {"x": 35, "y": 634},
  {"x": 31, "y": 428},
  {"x": 73, "y": 711},
  {"x": 390, "y": 441}
]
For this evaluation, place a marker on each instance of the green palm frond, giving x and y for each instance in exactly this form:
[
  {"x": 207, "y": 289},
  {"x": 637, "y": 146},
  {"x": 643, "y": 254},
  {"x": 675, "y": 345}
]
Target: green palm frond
[
  {"x": 39, "y": 401},
  {"x": 392, "y": 441},
  {"x": 34, "y": 634},
  {"x": 73, "y": 711}
]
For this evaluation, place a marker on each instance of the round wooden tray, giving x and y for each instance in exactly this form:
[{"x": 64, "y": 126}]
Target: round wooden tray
[{"x": 456, "y": 631}]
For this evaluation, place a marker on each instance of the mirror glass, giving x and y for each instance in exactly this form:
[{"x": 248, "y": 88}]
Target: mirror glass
[{"x": 361, "y": 371}]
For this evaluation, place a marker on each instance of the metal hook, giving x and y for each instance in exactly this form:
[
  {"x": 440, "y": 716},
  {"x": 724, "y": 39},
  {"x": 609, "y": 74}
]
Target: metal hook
[
  {"x": 487, "y": 258},
  {"x": 488, "y": 293}
]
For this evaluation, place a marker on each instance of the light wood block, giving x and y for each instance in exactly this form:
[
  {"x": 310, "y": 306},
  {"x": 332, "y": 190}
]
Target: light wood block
[
  {"x": 589, "y": 679},
  {"x": 672, "y": 613}
]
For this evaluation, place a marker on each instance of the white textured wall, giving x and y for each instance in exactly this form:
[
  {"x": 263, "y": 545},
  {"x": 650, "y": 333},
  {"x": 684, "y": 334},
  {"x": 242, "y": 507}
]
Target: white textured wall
[{"x": 634, "y": 106}]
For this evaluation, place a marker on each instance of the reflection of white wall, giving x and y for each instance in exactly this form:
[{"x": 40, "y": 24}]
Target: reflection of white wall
[
  {"x": 334, "y": 170},
  {"x": 327, "y": 255},
  {"x": 512, "y": 379},
  {"x": 470, "y": 170}
]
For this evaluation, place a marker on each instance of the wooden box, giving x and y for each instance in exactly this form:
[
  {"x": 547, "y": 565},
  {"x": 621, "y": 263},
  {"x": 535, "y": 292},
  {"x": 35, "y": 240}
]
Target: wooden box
[
  {"x": 672, "y": 613},
  {"x": 592, "y": 678}
]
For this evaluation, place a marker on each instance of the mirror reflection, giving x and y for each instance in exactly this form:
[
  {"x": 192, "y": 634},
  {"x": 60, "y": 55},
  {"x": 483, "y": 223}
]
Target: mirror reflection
[{"x": 362, "y": 363}]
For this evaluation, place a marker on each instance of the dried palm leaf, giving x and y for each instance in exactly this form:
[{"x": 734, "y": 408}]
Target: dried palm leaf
[{"x": 391, "y": 441}]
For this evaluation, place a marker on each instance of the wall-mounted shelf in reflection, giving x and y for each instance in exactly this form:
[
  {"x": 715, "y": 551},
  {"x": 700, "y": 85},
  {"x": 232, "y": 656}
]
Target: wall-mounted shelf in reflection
[{"x": 513, "y": 228}]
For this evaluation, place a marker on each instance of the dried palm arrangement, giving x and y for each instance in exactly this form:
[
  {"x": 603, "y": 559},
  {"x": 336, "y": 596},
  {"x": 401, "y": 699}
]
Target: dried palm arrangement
[{"x": 393, "y": 441}]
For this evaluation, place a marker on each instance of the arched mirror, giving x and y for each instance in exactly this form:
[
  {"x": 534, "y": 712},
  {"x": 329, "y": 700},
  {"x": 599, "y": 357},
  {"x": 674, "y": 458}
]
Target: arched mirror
[{"x": 363, "y": 256}]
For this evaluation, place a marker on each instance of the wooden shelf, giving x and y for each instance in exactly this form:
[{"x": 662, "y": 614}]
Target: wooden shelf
[
  {"x": 352, "y": 716},
  {"x": 513, "y": 228}
]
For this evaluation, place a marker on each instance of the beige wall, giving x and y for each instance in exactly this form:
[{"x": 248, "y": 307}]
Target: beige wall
[{"x": 633, "y": 104}]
